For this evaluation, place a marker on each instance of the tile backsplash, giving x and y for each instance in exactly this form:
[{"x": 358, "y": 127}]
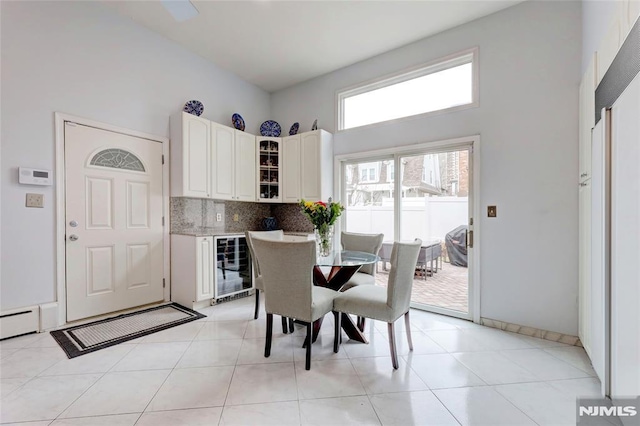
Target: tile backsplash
[{"x": 198, "y": 213}]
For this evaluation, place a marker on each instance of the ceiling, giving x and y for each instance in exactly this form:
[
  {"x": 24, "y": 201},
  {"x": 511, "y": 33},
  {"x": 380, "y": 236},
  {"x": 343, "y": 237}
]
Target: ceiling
[{"x": 276, "y": 44}]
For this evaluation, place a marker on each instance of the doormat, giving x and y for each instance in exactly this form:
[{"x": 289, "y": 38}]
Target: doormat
[{"x": 91, "y": 337}]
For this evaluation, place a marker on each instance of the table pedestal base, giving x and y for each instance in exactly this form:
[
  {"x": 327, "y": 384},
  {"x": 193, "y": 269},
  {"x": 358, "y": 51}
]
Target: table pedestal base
[{"x": 337, "y": 278}]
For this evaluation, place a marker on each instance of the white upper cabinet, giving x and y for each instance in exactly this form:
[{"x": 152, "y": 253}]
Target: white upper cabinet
[
  {"x": 269, "y": 169},
  {"x": 245, "y": 166},
  {"x": 234, "y": 162},
  {"x": 190, "y": 156},
  {"x": 223, "y": 170},
  {"x": 307, "y": 166},
  {"x": 291, "y": 169}
]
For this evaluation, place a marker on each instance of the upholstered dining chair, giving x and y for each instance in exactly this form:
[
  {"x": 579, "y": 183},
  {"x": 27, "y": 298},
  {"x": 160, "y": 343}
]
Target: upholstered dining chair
[
  {"x": 266, "y": 235},
  {"x": 287, "y": 277},
  {"x": 368, "y": 243},
  {"x": 385, "y": 304}
]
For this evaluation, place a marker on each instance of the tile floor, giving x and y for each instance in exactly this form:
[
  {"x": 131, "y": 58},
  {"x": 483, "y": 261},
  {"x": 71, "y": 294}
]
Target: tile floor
[{"x": 213, "y": 371}]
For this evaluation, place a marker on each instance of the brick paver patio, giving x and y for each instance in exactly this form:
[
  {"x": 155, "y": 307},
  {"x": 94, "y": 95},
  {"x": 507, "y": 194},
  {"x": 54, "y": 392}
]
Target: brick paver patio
[{"x": 448, "y": 288}]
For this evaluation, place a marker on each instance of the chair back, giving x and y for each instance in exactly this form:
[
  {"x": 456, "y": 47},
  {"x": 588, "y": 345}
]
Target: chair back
[
  {"x": 368, "y": 243},
  {"x": 403, "y": 267},
  {"x": 265, "y": 235},
  {"x": 287, "y": 276}
]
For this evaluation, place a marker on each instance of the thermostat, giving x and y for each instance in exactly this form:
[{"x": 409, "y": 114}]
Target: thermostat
[{"x": 34, "y": 176}]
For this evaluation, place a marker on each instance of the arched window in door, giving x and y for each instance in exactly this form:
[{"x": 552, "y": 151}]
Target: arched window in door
[{"x": 118, "y": 159}]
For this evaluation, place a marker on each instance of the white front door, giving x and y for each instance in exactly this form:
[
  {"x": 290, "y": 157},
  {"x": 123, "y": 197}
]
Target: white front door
[{"x": 114, "y": 231}]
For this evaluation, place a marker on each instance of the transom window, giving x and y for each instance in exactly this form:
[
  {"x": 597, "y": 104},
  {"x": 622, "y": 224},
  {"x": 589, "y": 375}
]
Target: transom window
[{"x": 446, "y": 84}]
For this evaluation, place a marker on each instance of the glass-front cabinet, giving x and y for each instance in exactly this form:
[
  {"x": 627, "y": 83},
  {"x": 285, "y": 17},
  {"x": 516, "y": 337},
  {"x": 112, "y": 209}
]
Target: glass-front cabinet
[{"x": 269, "y": 170}]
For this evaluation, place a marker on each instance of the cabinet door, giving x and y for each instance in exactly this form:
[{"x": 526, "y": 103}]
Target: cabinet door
[
  {"x": 311, "y": 165},
  {"x": 586, "y": 119},
  {"x": 204, "y": 268},
  {"x": 222, "y": 141},
  {"x": 245, "y": 165},
  {"x": 196, "y": 165},
  {"x": 584, "y": 260},
  {"x": 291, "y": 169}
]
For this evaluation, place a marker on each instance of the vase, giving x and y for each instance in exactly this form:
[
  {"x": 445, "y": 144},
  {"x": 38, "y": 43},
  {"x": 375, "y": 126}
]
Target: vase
[
  {"x": 269, "y": 224},
  {"x": 324, "y": 240}
]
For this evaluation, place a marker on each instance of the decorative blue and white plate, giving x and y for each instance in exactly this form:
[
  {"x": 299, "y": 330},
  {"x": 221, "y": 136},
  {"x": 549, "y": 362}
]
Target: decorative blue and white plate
[
  {"x": 294, "y": 129},
  {"x": 270, "y": 128},
  {"x": 238, "y": 121},
  {"x": 194, "y": 107},
  {"x": 314, "y": 126}
]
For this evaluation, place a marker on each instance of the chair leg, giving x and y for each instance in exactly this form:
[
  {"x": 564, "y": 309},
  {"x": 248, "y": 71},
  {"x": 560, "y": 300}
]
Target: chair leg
[
  {"x": 392, "y": 345},
  {"x": 291, "y": 329},
  {"x": 307, "y": 363},
  {"x": 408, "y": 329},
  {"x": 337, "y": 336},
  {"x": 267, "y": 344},
  {"x": 285, "y": 325},
  {"x": 257, "y": 311}
]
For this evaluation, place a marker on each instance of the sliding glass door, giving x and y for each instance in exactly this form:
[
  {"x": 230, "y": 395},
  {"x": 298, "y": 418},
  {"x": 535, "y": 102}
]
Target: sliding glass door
[
  {"x": 434, "y": 206},
  {"x": 431, "y": 200}
]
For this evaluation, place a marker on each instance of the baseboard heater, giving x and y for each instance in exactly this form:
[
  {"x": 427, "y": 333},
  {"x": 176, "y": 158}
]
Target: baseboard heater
[{"x": 19, "y": 321}]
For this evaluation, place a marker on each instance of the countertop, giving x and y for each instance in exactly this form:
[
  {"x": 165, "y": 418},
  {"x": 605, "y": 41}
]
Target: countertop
[{"x": 212, "y": 232}]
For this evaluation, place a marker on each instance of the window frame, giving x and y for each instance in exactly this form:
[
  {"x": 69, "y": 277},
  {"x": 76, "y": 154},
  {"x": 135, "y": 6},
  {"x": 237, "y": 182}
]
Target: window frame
[{"x": 431, "y": 67}]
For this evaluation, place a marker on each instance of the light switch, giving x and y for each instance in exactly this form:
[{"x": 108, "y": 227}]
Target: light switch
[
  {"x": 35, "y": 200},
  {"x": 492, "y": 211}
]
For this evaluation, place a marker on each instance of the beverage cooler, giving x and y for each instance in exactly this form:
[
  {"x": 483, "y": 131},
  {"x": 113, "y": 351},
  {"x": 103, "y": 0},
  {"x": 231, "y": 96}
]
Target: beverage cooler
[{"x": 233, "y": 266}]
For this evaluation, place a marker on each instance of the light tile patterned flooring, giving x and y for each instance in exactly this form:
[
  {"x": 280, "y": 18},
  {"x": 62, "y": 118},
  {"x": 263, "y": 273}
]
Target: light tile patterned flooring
[
  {"x": 447, "y": 288},
  {"x": 213, "y": 371}
]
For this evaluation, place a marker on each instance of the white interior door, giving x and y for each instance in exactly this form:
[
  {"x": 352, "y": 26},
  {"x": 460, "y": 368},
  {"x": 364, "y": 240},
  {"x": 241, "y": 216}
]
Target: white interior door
[
  {"x": 114, "y": 238},
  {"x": 625, "y": 247}
]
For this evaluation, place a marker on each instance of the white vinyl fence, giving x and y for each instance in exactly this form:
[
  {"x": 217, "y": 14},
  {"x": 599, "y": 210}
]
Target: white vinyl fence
[{"x": 427, "y": 218}]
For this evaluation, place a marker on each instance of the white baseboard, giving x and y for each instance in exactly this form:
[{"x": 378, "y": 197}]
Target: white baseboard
[{"x": 19, "y": 321}]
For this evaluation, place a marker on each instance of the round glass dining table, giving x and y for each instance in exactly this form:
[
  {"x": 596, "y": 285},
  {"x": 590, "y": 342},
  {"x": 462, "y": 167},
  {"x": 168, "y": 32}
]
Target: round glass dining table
[{"x": 343, "y": 265}]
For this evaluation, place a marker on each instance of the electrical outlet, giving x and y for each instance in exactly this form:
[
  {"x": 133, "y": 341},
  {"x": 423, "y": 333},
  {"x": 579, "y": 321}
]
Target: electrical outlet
[
  {"x": 35, "y": 200},
  {"x": 219, "y": 217},
  {"x": 236, "y": 217},
  {"x": 492, "y": 211}
]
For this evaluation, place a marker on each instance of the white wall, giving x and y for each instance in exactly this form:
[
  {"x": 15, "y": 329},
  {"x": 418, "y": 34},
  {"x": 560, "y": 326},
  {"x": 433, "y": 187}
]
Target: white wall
[
  {"x": 530, "y": 59},
  {"x": 82, "y": 59}
]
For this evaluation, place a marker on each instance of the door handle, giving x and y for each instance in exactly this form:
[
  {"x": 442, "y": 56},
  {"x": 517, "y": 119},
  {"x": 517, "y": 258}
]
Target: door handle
[
  {"x": 73, "y": 224},
  {"x": 73, "y": 237}
]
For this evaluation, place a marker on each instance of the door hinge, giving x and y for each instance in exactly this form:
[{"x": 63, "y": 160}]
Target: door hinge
[
  {"x": 164, "y": 283},
  {"x": 162, "y": 158},
  {"x": 470, "y": 221},
  {"x": 470, "y": 239},
  {"x": 162, "y": 220}
]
